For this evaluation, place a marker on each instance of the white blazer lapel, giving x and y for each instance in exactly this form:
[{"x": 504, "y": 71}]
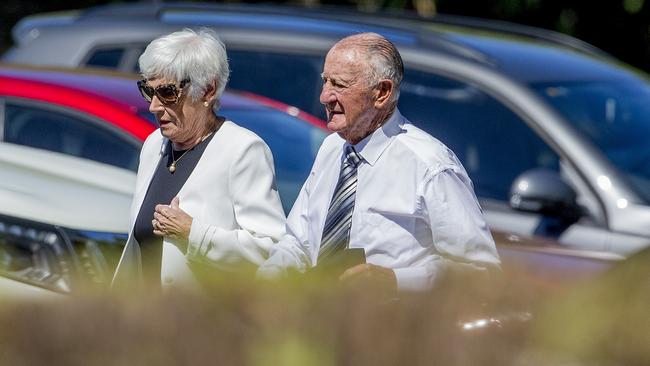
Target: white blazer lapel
[{"x": 129, "y": 269}]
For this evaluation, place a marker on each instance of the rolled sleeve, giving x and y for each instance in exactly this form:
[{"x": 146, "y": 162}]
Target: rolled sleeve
[
  {"x": 458, "y": 228},
  {"x": 461, "y": 238}
]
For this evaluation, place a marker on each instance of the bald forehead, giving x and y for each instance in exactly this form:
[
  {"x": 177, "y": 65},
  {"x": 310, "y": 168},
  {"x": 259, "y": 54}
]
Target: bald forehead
[
  {"x": 361, "y": 40},
  {"x": 355, "y": 48},
  {"x": 344, "y": 53},
  {"x": 344, "y": 64},
  {"x": 352, "y": 56}
]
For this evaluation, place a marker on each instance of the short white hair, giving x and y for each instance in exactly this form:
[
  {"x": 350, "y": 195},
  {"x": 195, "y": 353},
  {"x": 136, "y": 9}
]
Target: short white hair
[
  {"x": 199, "y": 56},
  {"x": 382, "y": 57}
]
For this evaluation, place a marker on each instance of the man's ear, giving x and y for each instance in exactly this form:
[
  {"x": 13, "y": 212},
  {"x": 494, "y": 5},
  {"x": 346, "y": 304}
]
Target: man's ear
[{"x": 384, "y": 93}]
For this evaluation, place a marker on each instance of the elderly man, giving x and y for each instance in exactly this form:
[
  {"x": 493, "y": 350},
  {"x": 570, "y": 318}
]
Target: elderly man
[{"x": 381, "y": 184}]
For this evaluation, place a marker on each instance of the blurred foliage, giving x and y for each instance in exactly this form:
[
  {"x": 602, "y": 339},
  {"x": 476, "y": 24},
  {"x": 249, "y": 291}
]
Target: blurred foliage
[
  {"x": 606, "y": 321},
  {"x": 622, "y": 27},
  {"x": 308, "y": 320}
]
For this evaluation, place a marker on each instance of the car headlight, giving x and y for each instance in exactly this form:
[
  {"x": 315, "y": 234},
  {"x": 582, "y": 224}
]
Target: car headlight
[{"x": 57, "y": 258}]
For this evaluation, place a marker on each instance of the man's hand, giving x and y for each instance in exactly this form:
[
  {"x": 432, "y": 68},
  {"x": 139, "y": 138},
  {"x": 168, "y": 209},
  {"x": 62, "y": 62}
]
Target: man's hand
[
  {"x": 171, "y": 221},
  {"x": 366, "y": 274}
]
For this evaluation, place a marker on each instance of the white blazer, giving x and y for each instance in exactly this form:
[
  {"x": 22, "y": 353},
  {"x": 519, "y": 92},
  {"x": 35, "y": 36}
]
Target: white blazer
[{"x": 232, "y": 198}]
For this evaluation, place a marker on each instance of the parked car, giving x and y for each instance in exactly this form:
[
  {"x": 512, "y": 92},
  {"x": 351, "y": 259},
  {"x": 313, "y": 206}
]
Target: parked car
[
  {"x": 553, "y": 132},
  {"x": 103, "y": 118},
  {"x": 39, "y": 259},
  {"x": 69, "y": 147}
]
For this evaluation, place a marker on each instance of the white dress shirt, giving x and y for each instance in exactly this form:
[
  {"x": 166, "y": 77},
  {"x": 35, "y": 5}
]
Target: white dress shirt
[
  {"x": 415, "y": 210},
  {"x": 232, "y": 198}
]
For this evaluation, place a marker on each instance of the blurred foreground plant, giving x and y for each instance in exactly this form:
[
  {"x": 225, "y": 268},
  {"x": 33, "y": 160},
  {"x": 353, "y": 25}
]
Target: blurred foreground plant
[{"x": 304, "y": 320}]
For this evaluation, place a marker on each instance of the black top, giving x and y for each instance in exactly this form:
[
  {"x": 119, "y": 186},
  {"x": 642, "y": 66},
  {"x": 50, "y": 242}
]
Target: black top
[{"x": 164, "y": 186}]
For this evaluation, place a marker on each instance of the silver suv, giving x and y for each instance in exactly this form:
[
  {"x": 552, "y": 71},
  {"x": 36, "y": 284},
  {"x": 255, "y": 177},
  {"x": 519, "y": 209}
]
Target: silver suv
[{"x": 553, "y": 132}]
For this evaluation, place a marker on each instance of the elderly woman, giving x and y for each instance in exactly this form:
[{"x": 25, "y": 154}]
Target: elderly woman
[{"x": 205, "y": 190}]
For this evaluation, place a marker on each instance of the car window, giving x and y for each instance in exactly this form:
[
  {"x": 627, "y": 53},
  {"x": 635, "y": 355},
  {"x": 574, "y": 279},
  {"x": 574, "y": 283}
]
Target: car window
[
  {"x": 292, "y": 79},
  {"x": 108, "y": 57},
  {"x": 493, "y": 143},
  {"x": 135, "y": 66},
  {"x": 613, "y": 115},
  {"x": 69, "y": 134},
  {"x": 293, "y": 142}
]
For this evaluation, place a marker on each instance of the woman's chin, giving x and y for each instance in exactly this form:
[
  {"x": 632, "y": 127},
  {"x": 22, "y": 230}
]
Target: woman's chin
[{"x": 166, "y": 131}]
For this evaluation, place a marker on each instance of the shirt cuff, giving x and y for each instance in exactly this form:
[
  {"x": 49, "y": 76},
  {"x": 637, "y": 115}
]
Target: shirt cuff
[
  {"x": 271, "y": 272},
  {"x": 414, "y": 278}
]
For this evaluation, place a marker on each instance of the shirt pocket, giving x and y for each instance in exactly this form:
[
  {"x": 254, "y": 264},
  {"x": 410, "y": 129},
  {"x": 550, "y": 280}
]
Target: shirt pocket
[{"x": 386, "y": 235}]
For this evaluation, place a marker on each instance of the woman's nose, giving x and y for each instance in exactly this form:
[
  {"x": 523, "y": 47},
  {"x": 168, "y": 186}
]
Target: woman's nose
[{"x": 155, "y": 105}]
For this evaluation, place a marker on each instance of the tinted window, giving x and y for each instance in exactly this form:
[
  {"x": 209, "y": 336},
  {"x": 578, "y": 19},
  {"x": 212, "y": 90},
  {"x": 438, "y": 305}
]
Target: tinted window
[
  {"x": 135, "y": 67},
  {"x": 109, "y": 58},
  {"x": 293, "y": 142},
  {"x": 614, "y": 116},
  {"x": 292, "y": 79},
  {"x": 68, "y": 134},
  {"x": 493, "y": 143}
]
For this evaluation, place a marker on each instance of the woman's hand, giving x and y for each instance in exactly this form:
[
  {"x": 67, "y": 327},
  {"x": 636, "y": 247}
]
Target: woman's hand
[{"x": 171, "y": 221}]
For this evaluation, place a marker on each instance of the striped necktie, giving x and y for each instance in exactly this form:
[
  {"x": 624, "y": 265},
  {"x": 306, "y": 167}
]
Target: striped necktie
[{"x": 336, "y": 233}]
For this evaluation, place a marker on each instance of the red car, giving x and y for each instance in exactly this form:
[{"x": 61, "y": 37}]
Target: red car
[
  {"x": 105, "y": 119},
  {"x": 69, "y": 149}
]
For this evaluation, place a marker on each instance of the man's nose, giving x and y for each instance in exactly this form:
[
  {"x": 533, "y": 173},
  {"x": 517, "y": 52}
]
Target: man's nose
[{"x": 327, "y": 96}]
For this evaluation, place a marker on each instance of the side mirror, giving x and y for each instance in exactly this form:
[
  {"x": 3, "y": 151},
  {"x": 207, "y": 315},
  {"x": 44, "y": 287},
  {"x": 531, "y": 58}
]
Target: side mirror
[{"x": 544, "y": 192}]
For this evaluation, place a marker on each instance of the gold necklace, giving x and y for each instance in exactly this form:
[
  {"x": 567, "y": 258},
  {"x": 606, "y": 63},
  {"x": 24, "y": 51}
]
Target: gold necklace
[{"x": 172, "y": 166}]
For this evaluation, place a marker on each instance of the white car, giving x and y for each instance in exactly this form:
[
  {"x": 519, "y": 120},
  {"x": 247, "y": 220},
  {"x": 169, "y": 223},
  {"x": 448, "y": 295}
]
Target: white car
[{"x": 82, "y": 212}]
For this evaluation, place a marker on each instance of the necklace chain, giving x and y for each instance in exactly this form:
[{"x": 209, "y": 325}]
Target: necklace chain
[{"x": 172, "y": 166}]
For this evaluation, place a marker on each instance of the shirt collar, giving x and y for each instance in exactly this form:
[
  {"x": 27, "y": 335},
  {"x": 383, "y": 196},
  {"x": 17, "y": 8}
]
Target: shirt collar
[{"x": 373, "y": 145}]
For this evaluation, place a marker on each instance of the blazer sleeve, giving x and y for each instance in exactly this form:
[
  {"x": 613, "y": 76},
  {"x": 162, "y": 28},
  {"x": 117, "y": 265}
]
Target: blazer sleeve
[{"x": 257, "y": 210}]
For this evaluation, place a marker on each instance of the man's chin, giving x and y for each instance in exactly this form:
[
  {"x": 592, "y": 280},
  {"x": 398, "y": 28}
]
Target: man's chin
[{"x": 334, "y": 126}]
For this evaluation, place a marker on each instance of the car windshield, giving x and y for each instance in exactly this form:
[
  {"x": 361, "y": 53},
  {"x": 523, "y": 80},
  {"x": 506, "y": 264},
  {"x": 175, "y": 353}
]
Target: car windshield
[{"x": 615, "y": 116}]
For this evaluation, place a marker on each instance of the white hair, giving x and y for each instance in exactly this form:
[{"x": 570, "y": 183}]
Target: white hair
[
  {"x": 382, "y": 57},
  {"x": 188, "y": 54}
]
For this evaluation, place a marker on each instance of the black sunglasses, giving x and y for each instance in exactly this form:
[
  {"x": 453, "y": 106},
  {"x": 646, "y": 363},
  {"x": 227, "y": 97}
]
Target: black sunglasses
[{"x": 167, "y": 93}]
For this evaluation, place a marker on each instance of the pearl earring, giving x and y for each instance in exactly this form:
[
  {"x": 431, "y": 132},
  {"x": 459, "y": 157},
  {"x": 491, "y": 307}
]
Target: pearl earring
[{"x": 205, "y": 103}]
